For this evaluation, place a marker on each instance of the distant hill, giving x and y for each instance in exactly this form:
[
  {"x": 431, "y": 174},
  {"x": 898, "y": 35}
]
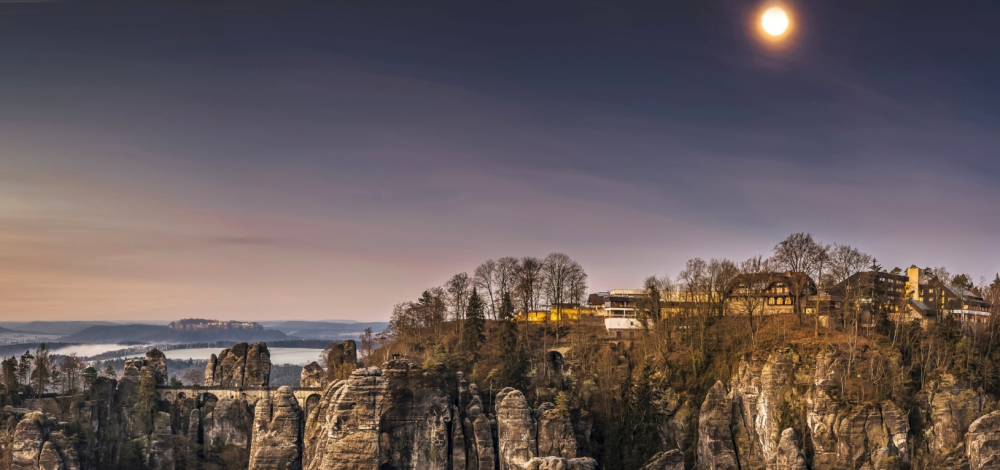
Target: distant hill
[
  {"x": 325, "y": 329},
  {"x": 55, "y": 327},
  {"x": 114, "y": 333},
  {"x": 165, "y": 334}
]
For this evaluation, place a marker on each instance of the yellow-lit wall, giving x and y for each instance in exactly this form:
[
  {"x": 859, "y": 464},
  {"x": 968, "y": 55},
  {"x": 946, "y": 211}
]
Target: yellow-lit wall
[{"x": 568, "y": 313}]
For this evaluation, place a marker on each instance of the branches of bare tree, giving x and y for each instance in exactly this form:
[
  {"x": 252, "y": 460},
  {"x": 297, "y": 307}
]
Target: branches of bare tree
[
  {"x": 564, "y": 280},
  {"x": 484, "y": 279},
  {"x": 820, "y": 260},
  {"x": 796, "y": 254},
  {"x": 750, "y": 291},
  {"x": 458, "y": 289}
]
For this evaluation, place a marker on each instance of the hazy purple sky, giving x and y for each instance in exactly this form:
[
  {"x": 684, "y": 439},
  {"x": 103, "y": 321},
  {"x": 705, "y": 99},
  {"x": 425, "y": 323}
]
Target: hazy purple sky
[{"x": 314, "y": 161}]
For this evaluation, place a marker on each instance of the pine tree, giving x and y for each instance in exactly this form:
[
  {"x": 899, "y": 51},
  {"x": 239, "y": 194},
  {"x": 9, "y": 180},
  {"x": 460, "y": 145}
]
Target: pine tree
[
  {"x": 512, "y": 367},
  {"x": 24, "y": 368},
  {"x": 89, "y": 378},
  {"x": 9, "y": 373},
  {"x": 40, "y": 376},
  {"x": 475, "y": 325}
]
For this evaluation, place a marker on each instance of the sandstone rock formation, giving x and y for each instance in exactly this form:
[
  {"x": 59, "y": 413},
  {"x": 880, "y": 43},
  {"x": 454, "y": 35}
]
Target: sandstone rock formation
[
  {"x": 226, "y": 427},
  {"x": 312, "y": 376},
  {"x": 277, "y": 433},
  {"x": 37, "y": 445},
  {"x": 676, "y": 421},
  {"x": 669, "y": 460},
  {"x": 982, "y": 443},
  {"x": 157, "y": 361},
  {"x": 559, "y": 463},
  {"x": 340, "y": 356},
  {"x": 515, "y": 430},
  {"x": 716, "y": 450},
  {"x": 949, "y": 407},
  {"x": 783, "y": 411},
  {"x": 160, "y": 449},
  {"x": 244, "y": 365},
  {"x": 555, "y": 432},
  {"x": 787, "y": 455},
  {"x": 477, "y": 424}
]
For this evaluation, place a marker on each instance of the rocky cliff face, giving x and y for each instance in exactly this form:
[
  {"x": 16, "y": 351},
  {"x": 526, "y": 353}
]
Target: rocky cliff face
[
  {"x": 39, "y": 445},
  {"x": 779, "y": 411},
  {"x": 243, "y": 365},
  {"x": 312, "y": 376},
  {"x": 277, "y": 433},
  {"x": 782, "y": 412}
]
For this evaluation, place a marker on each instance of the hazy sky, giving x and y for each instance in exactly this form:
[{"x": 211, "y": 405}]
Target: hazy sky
[{"x": 325, "y": 161}]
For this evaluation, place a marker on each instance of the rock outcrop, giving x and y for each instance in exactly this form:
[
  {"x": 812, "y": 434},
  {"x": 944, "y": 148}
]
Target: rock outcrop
[
  {"x": 38, "y": 445},
  {"x": 341, "y": 358},
  {"x": 559, "y": 463},
  {"x": 226, "y": 427},
  {"x": 312, "y": 376},
  {"x": 515, "y": 430},
  {"x": 949, "y": 407},
  {"x": 244, "y": 365},
  {"x": 343, "y": 433},
  {"x": 676, "y": 421},
  {"x": 787, "y": 455},
  {"x": 982, "y": 443},
  {"x": 716, "y": 450},
  {"x": 160, "y": 449},
  {"x": 157, "y": 361},
  {"x": 669, "y": 460},
  {"x": 555, "y": 432},
  {"x": 277, "y": 433},
  {"x": 480, "y": 429}
]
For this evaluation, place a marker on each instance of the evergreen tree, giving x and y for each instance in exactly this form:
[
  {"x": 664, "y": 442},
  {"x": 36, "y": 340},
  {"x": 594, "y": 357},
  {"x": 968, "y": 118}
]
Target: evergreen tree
[
  {"x": 24, "y": 368},
  {"x": 512, "y": 356},
  {"x": 89, "y": 378},
  {"x": 878, "y": 296},
  {"x": 473, "y": 335},
  {"x": 40, "y": 376},
  {"x": 8, "y": 371}
]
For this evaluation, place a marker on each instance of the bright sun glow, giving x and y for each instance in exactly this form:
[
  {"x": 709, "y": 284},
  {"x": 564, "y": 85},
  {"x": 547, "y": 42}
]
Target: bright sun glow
[{"x": 774, "y": 21}]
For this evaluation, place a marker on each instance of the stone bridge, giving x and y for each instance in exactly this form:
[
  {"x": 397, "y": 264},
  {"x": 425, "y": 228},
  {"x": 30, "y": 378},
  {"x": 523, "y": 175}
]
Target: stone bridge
[{"x": 307, "y": 396}]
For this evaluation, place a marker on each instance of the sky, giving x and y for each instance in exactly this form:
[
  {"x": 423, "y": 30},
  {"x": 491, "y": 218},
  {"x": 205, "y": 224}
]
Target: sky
[{"x": 326, "y": 160}]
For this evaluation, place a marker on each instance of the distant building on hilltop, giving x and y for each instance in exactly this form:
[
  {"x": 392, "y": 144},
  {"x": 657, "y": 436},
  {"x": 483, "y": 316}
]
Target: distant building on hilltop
[{"x": 190, "y": 324}]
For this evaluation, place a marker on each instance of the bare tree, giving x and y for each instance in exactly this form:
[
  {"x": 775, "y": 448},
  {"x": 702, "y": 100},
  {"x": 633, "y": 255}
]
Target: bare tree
[
  {"x": 528, "y": 287},
  {"x": 845, "y": 262},
  {"x": 693, "y": 279},
  {"x": 941, "y": 273},
  {"x": 458, "y": 289},
  {"x": 484, "y": 279},
  {"x": 528, "y": 283},
  {"x": 820, "y": 260},
  {"x": 795, "y": 254},
  {"x": 561, "y": 274},
  {"x": 720, "y": 275},
  {"x": 750, "y": 291},
  {"x": 505, "y": 276}
]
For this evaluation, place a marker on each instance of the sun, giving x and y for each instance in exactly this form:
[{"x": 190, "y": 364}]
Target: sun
[{"x": 774, "y": 21}]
